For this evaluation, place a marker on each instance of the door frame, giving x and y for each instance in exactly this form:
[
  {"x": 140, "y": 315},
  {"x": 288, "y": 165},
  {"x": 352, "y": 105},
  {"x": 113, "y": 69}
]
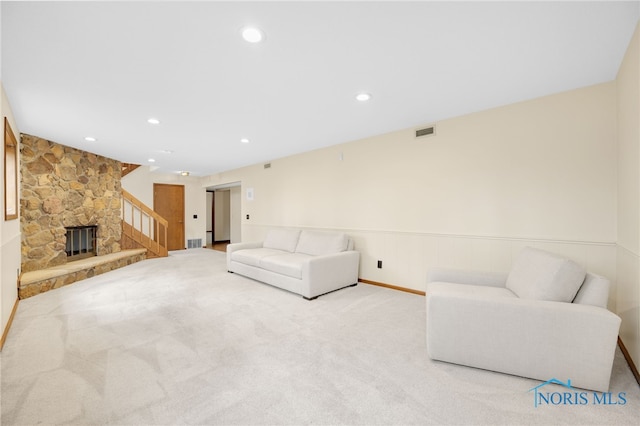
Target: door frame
[
  {"x": 232, "y": 217},
  {"x": 213, "y": 215}
]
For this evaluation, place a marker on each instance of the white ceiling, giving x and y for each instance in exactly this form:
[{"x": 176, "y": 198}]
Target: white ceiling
[{"x": 101, "y": 69}]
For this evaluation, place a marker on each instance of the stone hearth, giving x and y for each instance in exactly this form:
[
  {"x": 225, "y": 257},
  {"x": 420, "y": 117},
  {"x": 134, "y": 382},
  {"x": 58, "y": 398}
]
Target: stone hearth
[{"x": 36, "y": 282}]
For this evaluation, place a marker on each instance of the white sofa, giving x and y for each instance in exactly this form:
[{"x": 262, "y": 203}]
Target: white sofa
[
  {"x": 546, "y": 319},
  {"x": 306, "y": 262}
]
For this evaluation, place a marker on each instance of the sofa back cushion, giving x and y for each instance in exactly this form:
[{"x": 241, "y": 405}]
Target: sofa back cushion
[
  {"x": 282, "y": 239},
  {"x": 594, "y": 291},
  {"x": 539, "y": 275},
  {"x": 318, "y": 243}
]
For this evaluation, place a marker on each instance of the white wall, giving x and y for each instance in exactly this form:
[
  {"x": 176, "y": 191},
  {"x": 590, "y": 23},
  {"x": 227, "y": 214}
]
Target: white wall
[
  {"x": 9, "y": 233},
  {"x": 539, "y": 173},
  {"x": 140, "y": 184},
  {"x": 628, "y": 255}
]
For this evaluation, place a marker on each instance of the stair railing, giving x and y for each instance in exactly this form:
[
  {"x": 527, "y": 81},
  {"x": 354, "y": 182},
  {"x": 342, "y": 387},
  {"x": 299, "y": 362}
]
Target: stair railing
[{"x": 143, "y": 225}]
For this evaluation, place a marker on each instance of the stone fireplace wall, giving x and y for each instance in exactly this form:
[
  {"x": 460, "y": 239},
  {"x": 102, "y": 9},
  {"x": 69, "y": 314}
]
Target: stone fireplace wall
[{"x": 63, "y": 186}]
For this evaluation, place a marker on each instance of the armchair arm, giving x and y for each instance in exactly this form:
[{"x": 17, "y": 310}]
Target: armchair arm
[
  {"x": 529, "y": 338},
  {"x": 460, "y": 276}
]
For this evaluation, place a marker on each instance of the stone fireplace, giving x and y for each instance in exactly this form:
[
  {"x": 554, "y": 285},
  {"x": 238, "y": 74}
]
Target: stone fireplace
[{"x": 62, "y": 187}]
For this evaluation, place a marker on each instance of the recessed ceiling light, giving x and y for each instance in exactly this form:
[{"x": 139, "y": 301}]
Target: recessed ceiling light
[
  {"x": 363, "y": 97},
  {"x": 244, "y": 140},
  {"x": 151, "y": 160},
  {"x": 165, "y": 151},
  {"x": 90, "y": 139},
  {"x": 252, "y": 35},
  {"x": 184, "y": 173},
  {"x": 153, "y": 121}
]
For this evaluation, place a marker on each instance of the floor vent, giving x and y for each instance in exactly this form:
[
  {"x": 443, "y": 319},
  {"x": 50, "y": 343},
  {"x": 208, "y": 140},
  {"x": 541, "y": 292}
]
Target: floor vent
[
  {"x": 195, "y": 243},
  {"x": 427, "y": 131}
]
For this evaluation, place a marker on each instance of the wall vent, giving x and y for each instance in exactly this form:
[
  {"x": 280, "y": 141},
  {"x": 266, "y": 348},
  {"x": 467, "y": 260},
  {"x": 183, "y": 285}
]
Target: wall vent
[
  {"x": 267, "y": 166},
  {"x": 195, "y": 243},
  {"x": 427, "y": 131}
]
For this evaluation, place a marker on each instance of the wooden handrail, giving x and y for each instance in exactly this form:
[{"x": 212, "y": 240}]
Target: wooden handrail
[
  {"x": 154, "y": 236},
  {"x": 128, "y": 168}
]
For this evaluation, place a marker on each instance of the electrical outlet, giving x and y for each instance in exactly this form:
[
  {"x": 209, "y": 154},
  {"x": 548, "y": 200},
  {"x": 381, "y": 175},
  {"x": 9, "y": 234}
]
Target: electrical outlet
[{"x": 379, "y": 264}]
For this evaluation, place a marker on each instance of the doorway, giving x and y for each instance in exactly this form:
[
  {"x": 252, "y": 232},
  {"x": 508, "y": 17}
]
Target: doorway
[
  {"x": 223, "y": 215},
  {"x": 218, "y": 230},
  {"x": 168, "y": 202}
]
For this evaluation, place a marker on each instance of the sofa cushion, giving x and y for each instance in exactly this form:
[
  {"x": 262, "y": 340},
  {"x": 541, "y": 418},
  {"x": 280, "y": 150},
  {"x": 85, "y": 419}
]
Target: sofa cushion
[
  {"x": 466, "y": 290},
  {"x": 539, "y": 275},
  {"x": 319, "y": 242},
  {"x": 282, "y": 239},
  {"x": 289, "y": 264},
  {"x": 253, "y": 256}
]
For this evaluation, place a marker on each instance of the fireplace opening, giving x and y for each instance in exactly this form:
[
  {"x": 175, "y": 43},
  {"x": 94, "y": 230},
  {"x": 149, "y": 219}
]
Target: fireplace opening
[{"x": 81, "y": 242}]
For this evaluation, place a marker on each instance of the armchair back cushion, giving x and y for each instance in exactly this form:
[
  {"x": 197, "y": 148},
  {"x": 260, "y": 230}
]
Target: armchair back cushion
[
  {"x": 539, "y": 275},
  {"x": 282, "y": 239}
]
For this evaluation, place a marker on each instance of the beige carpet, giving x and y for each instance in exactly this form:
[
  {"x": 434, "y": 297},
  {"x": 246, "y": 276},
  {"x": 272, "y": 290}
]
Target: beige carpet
[{"x": 180, "y": 341}]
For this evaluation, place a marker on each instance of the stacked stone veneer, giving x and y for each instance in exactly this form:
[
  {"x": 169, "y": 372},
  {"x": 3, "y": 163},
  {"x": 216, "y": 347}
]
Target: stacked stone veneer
[{"x": 61, "y": 187}]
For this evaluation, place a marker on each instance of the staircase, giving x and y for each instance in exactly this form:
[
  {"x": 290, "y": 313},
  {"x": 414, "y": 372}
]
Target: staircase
[
  {"x": 142, "y": 227},
  {"x": 128, "y": 168}
]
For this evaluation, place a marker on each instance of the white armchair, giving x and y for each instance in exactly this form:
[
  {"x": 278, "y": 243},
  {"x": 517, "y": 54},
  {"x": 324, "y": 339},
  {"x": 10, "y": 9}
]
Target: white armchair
[{"x": 546, "y": 319}]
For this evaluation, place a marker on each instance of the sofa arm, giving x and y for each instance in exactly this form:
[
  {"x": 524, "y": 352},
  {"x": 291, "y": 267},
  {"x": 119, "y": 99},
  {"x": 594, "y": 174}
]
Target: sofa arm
[
  {"x": 459, "y": 276},
  {"x": 530, "y": 338},
  {"x": 330, "y": 272},
  {"x": 239, "y": 246}
]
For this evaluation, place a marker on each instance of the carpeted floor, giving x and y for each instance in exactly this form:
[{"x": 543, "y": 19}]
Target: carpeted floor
[{"x": 180, "y": 341}]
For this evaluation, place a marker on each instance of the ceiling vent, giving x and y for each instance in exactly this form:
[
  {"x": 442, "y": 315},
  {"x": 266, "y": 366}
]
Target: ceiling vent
[
  {"x": 267, "y": 166},
  {"x": 427, "y": 131}
]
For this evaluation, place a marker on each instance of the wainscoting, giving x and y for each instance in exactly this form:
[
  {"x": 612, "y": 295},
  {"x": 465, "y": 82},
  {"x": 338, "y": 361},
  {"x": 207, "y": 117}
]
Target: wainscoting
[
  {"x": 406, "y": 257},
  {"x": 628, "y": 305},
  {"x": 9, "y": 273}
]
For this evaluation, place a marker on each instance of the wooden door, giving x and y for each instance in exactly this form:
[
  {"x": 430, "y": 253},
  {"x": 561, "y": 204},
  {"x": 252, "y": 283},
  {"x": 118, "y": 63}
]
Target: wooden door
[{"x": 168, "y": 202}]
